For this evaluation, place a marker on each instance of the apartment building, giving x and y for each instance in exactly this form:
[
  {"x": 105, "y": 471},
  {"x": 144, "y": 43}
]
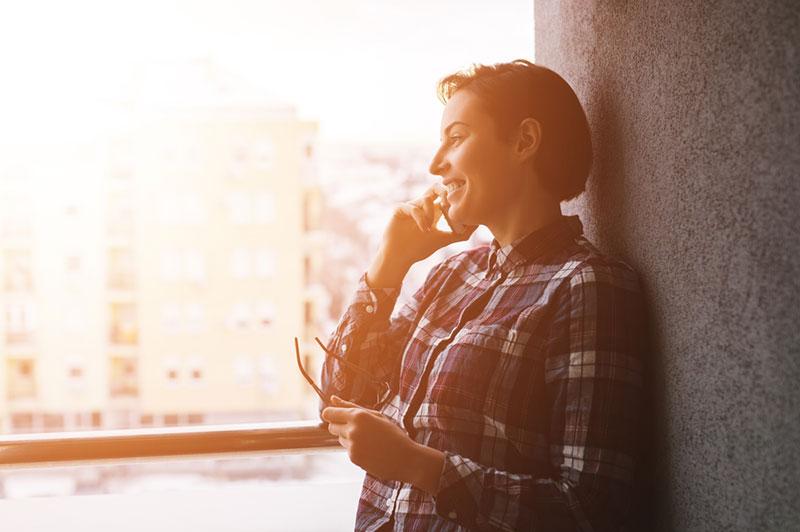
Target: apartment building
[{"x": 162, "y": 281}]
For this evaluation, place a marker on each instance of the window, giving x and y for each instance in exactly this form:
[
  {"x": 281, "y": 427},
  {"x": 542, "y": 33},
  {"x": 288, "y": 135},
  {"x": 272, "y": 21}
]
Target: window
[
  {"x": 123, "y": 377},
  {"x": 264, "y": 208},
  {"x": 265, "y": 263},
  {"x": 240, "y": 317},
  {"x": 182, "y": 209},
  {"x": 182, "y": 318},
  {"x": 21, "y": 382},
  {"x": 121, "y": 269},
  {"x": 19, "y": 322},
  {"x": 240, "y": 263},
  {"x": 16, "y": 215},
  {"x": 243, "y": 370},
  {"x": 240, "y": 208},
  {"x": 267, "y": 373},
  {"x": 121, "y": 215},
  {"x": 123, "y": 324},
  {"x": 265, "y": 314},
  {"x": 195, "y": 370},
  {"x": 171, "y": 318},
  {"x": 18, "y": 270},
  {"x": 172, "y": 371},
  {"x": 75, "y": 369},
  {"x": 264, "y": 154},
  {"x": 195, "y": 317},
  {"x": 183, "y": 265},
  {"x": 195, "y": 268}
]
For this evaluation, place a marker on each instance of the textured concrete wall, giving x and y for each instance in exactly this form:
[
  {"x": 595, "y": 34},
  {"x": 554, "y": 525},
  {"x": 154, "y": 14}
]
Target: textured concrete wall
[{"x": 694, "y": 110}]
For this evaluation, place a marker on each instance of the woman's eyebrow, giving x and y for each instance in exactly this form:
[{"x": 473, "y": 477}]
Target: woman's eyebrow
[{"x": 451, "y": 125}]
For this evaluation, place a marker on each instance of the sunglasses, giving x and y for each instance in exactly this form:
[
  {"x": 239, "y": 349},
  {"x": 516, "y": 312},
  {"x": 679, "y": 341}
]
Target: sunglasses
[{"x": 383, "y": 391}]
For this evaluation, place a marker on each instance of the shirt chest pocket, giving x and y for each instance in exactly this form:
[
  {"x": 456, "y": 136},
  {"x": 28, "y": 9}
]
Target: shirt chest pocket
[{"x": 481, "y": 368}]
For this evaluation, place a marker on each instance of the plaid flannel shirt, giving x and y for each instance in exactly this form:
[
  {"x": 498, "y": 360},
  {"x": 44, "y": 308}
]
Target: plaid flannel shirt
[{"x": 523, "y": 364}]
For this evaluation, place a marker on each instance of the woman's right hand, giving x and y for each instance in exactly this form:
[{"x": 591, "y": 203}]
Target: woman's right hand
[{"x": 410, "y": 237}]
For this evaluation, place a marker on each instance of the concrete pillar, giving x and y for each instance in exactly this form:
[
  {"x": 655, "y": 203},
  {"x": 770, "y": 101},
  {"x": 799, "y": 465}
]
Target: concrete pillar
[{"x": 695, "y": 111}]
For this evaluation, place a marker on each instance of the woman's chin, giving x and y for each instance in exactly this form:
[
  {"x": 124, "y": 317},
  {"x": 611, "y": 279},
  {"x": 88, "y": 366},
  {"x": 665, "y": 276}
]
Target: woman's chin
[{"x": 458, "y": 215}]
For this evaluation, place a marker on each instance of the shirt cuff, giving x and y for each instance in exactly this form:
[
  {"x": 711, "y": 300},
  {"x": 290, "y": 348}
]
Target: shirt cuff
[
  {"x": 373, "y": 302},
  {"x": 454, "y": 496}
]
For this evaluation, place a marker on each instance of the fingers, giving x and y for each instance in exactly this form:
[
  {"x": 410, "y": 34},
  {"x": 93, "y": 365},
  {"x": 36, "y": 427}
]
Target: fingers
[
  {"x": 341, "y": 431},
  {"x": 338, "y": 401},
  {"x": 333, "y": 414},
  {"x": 424, "y": 210},
  {"x": 417, "y": 213}
]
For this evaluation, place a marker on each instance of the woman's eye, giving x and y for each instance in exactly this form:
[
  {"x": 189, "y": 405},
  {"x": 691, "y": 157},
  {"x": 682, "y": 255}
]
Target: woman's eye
[{"x": 455, "y": 138}]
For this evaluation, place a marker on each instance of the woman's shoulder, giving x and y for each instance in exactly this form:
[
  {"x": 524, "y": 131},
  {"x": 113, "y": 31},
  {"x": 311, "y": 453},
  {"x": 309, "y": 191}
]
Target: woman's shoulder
[{"x": 589, "y": 264}]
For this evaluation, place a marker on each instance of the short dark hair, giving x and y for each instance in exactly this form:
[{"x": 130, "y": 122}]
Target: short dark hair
[{"x": 512, "y": 92}]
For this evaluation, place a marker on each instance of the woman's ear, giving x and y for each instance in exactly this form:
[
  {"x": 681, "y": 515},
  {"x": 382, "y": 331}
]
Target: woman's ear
[{"x": 529, "y": 138}]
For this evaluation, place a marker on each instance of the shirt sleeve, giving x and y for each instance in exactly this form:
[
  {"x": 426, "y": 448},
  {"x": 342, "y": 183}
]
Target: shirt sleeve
[
  {"x": 593, "y": 384},
  {"x": 368, "y": 336}
]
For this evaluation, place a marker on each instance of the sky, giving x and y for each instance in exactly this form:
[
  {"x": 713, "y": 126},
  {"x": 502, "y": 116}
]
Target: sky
[{"x": 365, "y": 70}]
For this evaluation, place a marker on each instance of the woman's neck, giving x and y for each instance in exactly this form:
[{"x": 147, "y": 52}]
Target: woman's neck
[{"x": 524, "y": 218}]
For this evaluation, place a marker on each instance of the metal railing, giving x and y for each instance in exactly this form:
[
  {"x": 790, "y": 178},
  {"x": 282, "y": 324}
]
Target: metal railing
[{"x": 27, "y": 450}]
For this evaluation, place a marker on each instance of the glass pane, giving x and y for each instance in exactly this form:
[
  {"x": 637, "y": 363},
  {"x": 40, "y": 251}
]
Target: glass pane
[{"x": 175, "y": 209}]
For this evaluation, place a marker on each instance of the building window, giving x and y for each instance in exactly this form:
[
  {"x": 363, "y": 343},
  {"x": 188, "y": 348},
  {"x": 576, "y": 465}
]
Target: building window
[
  {"x": 170, "y": 265},
  {"x": 75, "y": 373},
  {"x": 171, "y": 318},
  {"x": 243, "y": 370},
  {"x": 121, "y": 215},
  {"x": 264, "y": 154},
  {"x": 264, "y": 208},
  {"x": 21, "y": 378},
  {"x": 22, "y": 421},
  {"x": 267, "y": 374},
  {"x": 124, "y": 377},
  {"x": 195, "y": 419},
  {"x": 196, "y": 370},
  {"x": 53, "y": 422},
  {"x": 72, "y": 264},
  {"x": 172, "y": 372},
  {"x": 16, "y": 220},
  {"x": 121, "y": 269},
  {"x": 240, "y": 263},
  {"x": 266, "y": 263},
  {"x": 195, "y": 317},
  {"x": 245, "y": 208},
  {"x": 194, "y": 266},
  {"x": 18, "y": 270},
  {"x": 19, "y": 323},
  {"x": 240, "y": 317},
  {"x": 240, "y": 208},
  {"x": 188, "y": 265},
  {"x": 265, "y": 314},
  {"x": 123, "y": 324},
  {"x": 182, "y": 210}
]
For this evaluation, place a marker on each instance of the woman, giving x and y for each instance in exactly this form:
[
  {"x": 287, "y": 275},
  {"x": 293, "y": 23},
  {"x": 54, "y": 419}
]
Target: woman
[{"x": 506, "y": 394}]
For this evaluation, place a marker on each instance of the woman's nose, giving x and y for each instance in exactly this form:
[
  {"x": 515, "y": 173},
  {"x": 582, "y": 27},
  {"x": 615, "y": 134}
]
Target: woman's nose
[{"x": 438, "y": 164}]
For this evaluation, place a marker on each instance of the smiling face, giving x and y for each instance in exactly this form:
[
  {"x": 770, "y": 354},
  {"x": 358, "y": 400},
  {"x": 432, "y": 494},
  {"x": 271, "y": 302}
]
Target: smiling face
[{"x": 482, "y": 172}]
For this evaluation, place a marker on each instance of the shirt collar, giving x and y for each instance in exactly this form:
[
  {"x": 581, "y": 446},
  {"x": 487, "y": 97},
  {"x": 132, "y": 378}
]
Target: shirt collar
[{"x": 533, "y": 245}]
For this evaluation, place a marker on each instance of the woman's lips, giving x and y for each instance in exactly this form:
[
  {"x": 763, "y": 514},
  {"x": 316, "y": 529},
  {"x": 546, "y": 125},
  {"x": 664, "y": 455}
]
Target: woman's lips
[{"x": 454, "y": 189}]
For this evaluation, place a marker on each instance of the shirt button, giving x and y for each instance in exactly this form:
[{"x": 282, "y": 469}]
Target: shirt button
[
  {"x": 344, "y": 347},
  {"x": 370, "y": 309},
  {"x": 389, "y": 502},
  {"x": 452, "y": 514}
]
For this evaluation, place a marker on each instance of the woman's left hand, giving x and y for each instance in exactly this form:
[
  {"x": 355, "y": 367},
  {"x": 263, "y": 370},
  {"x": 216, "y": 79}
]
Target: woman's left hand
[
  {"x": 379, "y": 446},
  {"x": 373, "y": 441}
]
